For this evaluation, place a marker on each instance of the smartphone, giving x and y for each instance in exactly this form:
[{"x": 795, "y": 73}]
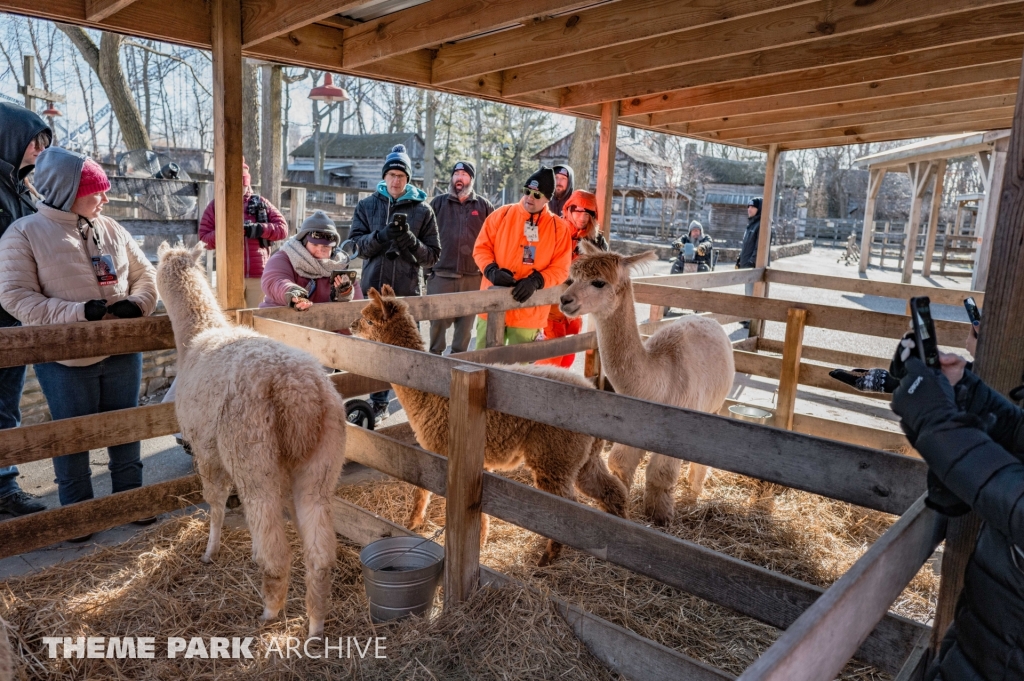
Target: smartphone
[
  {"x": 973, "y": 313},
  {"x": 348, "y": 280},
  {"x": 924, "y": 331}
]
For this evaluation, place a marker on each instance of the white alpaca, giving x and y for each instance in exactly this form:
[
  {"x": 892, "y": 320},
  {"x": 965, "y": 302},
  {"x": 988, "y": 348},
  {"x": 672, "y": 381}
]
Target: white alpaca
[
  {"x": 687, "y": 363},
  {"x": 263, "y": 416}
]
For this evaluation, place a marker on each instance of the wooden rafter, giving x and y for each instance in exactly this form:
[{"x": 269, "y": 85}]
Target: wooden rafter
[
  {"x": 910, "y": 133},
  {"x": 685, "y": 68},
  {"x": 266, "y": 19},
  {"x": 98, "y": 10}
]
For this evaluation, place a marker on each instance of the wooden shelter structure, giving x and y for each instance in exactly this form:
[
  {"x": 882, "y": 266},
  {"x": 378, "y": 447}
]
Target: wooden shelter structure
[
  {"x": 925, "y": 162},
  {"x": 765, "y": 74}
]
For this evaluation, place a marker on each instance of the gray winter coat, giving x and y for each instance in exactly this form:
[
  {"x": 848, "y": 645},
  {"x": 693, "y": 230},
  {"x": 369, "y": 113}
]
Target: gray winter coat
[{"x": 458, "y": 224}]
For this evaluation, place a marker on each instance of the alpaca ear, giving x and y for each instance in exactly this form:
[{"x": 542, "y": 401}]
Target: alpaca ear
[
  {"x": 587, "y": 248},
  {"x": 632, "y": 261},
  {"x": 374, "y": 296},
  {"x": 162, "y": 249},
  {"x": 387, "y": 291},
  {"x": 197, "y": 251}
]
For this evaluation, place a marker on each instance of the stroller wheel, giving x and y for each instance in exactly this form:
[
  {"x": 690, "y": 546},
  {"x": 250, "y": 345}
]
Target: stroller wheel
[{"x": 359, "y": 413}]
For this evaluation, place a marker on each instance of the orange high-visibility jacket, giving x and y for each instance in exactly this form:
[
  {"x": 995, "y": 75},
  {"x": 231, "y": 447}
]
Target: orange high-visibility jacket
[{"x": 502, "y": 240}]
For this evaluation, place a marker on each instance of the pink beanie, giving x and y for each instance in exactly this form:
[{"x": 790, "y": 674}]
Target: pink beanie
[{"x": 94, "y": 180}]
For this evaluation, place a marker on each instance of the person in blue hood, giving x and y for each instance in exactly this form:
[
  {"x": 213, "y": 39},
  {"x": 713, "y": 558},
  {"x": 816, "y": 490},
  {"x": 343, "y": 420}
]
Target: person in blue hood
[
  {"x": 23, "y": 135},
  {"x": 395, "y": 233}
]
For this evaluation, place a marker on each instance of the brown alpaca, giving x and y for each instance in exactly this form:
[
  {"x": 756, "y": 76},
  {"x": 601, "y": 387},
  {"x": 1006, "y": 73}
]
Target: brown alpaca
[
  {"x": 264, "y": 417},
  {"x": 687, "y": 363},
  {"x": 559, "y": 459}
]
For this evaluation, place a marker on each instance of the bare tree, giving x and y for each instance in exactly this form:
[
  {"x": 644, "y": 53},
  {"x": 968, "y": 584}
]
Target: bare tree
[
  {"x": 581, "y": 151},
  {"x": 251, "y": 116}
]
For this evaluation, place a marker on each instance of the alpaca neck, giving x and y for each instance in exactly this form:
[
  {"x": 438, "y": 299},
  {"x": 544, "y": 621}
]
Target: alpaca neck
[
  {"x": 623, "y": 354},
  {"x": 193, "y": 309},
  {"x": 411, "y": 399}
]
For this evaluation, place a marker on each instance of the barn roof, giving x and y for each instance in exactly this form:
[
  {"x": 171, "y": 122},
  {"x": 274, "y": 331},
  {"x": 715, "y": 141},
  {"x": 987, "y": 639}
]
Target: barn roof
[
  {"x": 752, "y": 73},
  {"x": 358, "y": 146}
]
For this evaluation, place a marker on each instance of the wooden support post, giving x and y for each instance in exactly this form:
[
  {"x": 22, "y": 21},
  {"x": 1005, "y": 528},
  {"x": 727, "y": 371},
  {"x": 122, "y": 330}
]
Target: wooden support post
[
  {"x": 919, "y": 174},
  {"x": 226, "y": 28},
  {"x": 657, "y": 313},
  {"x": 28, "y": 68},
  {"x": 467, "y": 435},
  {"x": 270, "y": 143},
  {"x": 606, "y": 166},
  {"x": 764, "y": 236},
  {"x": 867, "y": 235},
  {"x": 495, "y": 329},
  {"x": 933, "y": 217},
  {"x": 297, "y": 211},
  {"x": 792, "y": 350},
  {"x": 1000, "y": 353},
  {"x": 986, "y": 225}
]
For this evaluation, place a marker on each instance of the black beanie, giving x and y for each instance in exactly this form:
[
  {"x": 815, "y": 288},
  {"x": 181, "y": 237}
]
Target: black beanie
[
  {"x": 465, "y": 166},
  {"x": 755, "y": 202},
  {"x": 398, "y": 160},
  {"x": 542, "y": 181}
]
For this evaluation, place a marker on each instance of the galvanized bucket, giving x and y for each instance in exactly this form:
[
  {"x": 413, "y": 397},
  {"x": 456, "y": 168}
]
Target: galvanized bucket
[
  {"x": 744, "y": 412},
  {"x": 401, "y": 575}
]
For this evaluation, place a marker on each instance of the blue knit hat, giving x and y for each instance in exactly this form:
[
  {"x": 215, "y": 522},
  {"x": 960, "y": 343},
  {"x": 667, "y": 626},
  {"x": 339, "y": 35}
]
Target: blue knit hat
[{"x": 398, "y": 159}]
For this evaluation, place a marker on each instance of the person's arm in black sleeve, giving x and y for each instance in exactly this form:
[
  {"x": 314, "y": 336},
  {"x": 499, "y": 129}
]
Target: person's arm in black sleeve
[
  {"x": 428, "y": 243},
  {"x": 362, "y": 233},
  {"x": 1006, "y": 420}
]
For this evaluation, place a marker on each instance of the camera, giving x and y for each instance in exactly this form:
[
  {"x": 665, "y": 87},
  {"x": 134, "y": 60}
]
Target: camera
[{"x": 400, "y": 220}]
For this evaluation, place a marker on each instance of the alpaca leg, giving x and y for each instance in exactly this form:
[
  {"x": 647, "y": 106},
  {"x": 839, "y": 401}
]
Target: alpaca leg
[
  {"x": 596, "y": 482},
  {"x": 421, "y": 499},
  {"x": 485, "y": 527},
  {"x": 270, "y": 547},
  {"x": 315, "y": 522},
  {"x": 563, "y": 488},
  {"x": 696, "y": 477},
  {"x": 623, "y": 461},
  {"x": 662, "y": 473},
  {"x": 764, "y": 494},
  {"x": 216, "y": 488}
]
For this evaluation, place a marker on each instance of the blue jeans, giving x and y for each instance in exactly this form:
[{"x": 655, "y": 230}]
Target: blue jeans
[
  {"x": 77, "y": 391},
  {"x": 12, "y": 381}
]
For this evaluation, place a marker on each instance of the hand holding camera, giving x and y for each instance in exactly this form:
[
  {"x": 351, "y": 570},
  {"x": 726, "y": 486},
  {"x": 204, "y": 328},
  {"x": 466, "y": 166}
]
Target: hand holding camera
[{"x": 253, "y": 230}]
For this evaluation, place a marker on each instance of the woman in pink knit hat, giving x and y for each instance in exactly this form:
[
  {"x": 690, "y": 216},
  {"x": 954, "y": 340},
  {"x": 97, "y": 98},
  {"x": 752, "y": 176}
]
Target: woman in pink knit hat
[{"x": 70, "y": 263}]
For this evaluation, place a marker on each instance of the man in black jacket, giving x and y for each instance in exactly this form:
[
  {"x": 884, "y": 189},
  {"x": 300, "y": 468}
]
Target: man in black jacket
[
  {"x": 460, "y": 215},
  {"x": 564, "y": 187},
  {"x": 394, "y": 249},
  {"x": 23, "y": 135},
  {"x": 973, "y": 441}
]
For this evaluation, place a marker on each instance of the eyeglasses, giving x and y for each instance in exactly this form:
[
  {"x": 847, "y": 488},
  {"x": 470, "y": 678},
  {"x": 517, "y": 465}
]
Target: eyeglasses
[{"x": 536, "y": 195}]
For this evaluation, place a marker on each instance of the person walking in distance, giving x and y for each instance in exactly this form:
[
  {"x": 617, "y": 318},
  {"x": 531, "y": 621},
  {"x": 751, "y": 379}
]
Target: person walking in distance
[
  {"x": 460, "y": 216},
  {"x": 23, "y": 135},
  {"x": 525, "y": 247},
  {"x": 395, "y": 233}
]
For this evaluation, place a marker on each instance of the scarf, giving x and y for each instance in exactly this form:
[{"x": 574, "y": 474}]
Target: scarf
[{"x": 305, "y": 265}]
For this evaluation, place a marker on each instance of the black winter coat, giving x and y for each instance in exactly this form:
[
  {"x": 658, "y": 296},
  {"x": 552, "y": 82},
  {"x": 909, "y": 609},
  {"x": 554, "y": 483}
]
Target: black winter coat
[
  {"x": 748, "y": 251},
  {"x": 986, "y": 471},
  {"x": 18, "y": 127},
  {"x": 459, "y": 224},
  {"x": 402, "y": 273},
  {"x": 704, "y": 262}
]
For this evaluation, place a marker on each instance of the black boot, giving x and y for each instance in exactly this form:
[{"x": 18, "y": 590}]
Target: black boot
[{"x": 21, "y": 503}]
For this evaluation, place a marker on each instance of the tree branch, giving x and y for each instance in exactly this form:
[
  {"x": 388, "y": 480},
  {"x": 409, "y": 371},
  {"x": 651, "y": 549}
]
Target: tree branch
[
  {"x": 90, "y": 51},
  {"x": 172, "y": 57}
]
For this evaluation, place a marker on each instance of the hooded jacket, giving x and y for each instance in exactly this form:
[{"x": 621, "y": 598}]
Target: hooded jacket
[
  {"x": 704, "y": 261},
  {"x": 555, "y": 205},
  {"x": 18, "y": 127},
  {"x": 459, "y": 224},
  {"x": 372, "y": 215},
  {"x": 257, "y": 251},
  {"x": 748, "y": 251}
]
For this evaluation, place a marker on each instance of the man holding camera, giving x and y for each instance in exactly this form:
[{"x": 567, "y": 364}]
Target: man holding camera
[
  {"x": 396, "y": 236},
  {"x": 973, "y": 441}
]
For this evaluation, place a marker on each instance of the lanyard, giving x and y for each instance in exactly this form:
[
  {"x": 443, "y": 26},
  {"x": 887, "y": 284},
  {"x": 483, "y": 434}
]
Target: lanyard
[{"x": 92, "y": 231}]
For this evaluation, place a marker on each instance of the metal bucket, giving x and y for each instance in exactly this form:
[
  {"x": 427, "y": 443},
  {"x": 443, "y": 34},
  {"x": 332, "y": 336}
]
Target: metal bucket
[
  {"x": 407, "y": 582},
  {"x": 744, "y": 412}
]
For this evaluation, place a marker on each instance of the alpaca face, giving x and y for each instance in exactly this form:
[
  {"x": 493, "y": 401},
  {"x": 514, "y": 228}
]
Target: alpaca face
[
  {"x": 174, "y": 264},
  {"x": 597, "y": 281},
  {"x": 386, "y": 319}
]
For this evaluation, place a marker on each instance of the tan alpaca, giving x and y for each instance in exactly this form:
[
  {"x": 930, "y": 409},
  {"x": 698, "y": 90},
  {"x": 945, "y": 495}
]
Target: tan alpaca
[
  {"x": 6, "y": 656},
  {"x": 687, "y": 363},
  {"x": 559, "y": 459},
  {"x": 264, "y": 417}
]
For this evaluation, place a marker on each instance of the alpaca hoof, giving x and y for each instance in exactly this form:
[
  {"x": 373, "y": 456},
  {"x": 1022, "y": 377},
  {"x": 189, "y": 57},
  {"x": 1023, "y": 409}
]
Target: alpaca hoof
[
  {"x": 267, "y": 616},
  {"x": 415, "y": 525},
  {"x": 545, "y": 560},
  {"x": 662, "y": 519},
  {"x": 316, "y": 629},
  {"x": 207, "y": 558}
]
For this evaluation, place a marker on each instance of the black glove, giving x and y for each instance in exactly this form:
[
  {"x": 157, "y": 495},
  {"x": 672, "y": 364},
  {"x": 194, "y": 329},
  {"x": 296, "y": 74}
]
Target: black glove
[
  {"x": 95, "y": 309},
  {"x": 253, "y": 230},
  {"x": 924, "y": 398},
  {"x": 125, "y": 309},
  {"x": 499, "y": 276},
  {"x": 381, "y": 235},
  {"x": 406, "y": 240},
  {"x": 395, "y": 230},
  {"x": 295, "y": 294},
  {"x": 941, "y": 499},
  {"x": 527, "y": 286},
  {"x": 904, "y": 351}
]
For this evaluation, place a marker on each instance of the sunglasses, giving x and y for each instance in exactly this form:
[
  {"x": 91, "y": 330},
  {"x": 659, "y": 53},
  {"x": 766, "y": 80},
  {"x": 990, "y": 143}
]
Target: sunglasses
[
  {"x": 536, "y": 195},
  {"x": 578, "y": 209}
]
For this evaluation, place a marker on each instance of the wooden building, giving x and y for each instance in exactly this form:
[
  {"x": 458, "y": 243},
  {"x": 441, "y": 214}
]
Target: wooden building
[{"x": 355, "y": 160}]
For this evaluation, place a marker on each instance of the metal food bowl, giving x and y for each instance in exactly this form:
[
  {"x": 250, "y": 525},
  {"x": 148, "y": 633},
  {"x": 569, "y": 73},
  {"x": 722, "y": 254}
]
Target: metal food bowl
[
  {"x": 401, "y": 575},
  {"x": 744, "y": 412}
]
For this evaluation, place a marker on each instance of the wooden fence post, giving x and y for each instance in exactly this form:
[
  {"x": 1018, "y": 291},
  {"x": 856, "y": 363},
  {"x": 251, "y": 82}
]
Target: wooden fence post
[
  {"x": 467, "y": 423},
  {"x": 495, "y": 329},
  {"x": 764, "y": 243},
  {"x": 933, "y": 218},
  {"x": 796, "y": 320},
  {"x": 919, "y": 174}
]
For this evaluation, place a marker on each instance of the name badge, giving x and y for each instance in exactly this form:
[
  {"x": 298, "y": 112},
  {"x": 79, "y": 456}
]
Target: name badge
[
  {"x": 529, "y": 254},
  {"x": 531, "y": 231},
  {"x": 103, "y": 267}
]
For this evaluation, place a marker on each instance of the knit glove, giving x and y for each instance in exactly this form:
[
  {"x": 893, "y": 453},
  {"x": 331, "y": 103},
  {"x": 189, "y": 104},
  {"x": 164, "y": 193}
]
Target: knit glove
[
  {"x": 903, "y": 352},
  {"x": 867, "y": 380},
  {"x": 395, "y": 230},
  {"x": 294, "y": 294},
  {"x": 95, "y": 309},
  {"x": 527, "y": 286},
  {"x": 924, "y": 399},
  {"x": 406, "y": 240},
  {"x": 499, "y": 276},
  {"x": 125, "y": 309},
  {"x": 253, "y": 230}
]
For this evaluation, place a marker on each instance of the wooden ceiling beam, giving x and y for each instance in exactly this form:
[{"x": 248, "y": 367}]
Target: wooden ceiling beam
[
  {"x": 989, "y": 119},
  {"x": 98, "y": 10},
  {"x": 969, "y": 107},
  {"x": 901, "y": 135},
  {"x": 439, "y": 21},
  {"x": 946, "y": 57},
  {"x": 266, "y": 19},
  {"x": 968, "y": 77},
  {"x": 590, "y": 29},
  {"x": 928, "y": 102},
  {"x": 921, "y": 35}
]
